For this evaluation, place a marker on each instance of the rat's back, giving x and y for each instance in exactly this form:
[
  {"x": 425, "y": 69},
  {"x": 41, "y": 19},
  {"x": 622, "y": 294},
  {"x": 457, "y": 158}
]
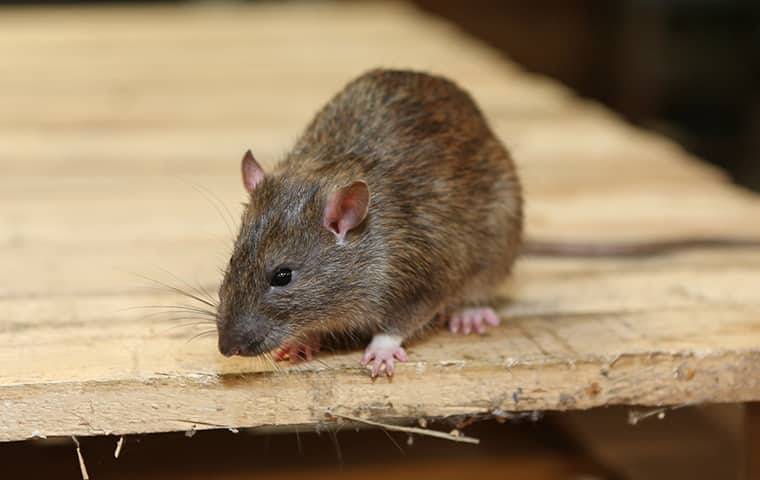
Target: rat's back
[
  {"x": 393, "y": 122},
  {"x": 445, "y": 198}
]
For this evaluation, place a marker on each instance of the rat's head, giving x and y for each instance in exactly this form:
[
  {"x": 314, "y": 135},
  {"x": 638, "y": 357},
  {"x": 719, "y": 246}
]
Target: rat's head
[{"x": 293, "y": 259}]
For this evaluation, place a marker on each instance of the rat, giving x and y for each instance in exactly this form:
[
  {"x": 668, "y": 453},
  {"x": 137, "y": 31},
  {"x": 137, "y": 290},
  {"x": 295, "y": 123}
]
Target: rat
[{"x": 396, "y": 206}]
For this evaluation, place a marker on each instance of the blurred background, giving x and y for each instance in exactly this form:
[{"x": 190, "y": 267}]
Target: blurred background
[{"x": 689, "y": 69}]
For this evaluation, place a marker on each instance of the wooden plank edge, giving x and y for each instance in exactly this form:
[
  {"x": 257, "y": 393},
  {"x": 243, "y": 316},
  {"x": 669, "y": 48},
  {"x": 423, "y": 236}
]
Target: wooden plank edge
[{"x": 268, "y": 399}]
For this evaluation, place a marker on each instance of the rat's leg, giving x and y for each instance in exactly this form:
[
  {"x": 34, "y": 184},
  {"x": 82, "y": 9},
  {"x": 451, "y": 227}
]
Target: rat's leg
[
  {"x": 383, "y": 351},
  {"x": 468, "y": 319},
  {"x": 385, "y": 348},
  {"x": 295, "y": 350},
  {"x": 471, "y": 313}
]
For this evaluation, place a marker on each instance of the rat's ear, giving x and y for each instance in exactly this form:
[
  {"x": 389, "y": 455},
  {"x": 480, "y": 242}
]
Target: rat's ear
[
  {"x": 346, "y": 209},
  {"x": 253, "y": 174}
]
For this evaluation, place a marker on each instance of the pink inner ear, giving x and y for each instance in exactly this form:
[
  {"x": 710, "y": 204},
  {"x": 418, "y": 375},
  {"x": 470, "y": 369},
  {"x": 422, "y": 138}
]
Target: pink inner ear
[
  {"x": 346, "y": 209},
  {"x": 253, "y": 174}
]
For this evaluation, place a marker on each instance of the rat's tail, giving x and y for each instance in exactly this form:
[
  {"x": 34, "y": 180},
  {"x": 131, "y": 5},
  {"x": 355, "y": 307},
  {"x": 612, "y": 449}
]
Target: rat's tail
[{"x": 549, "y": 248}]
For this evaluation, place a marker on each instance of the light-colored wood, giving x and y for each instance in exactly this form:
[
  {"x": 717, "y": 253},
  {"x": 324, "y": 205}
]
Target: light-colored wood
[{"x": 116, "y": 123}]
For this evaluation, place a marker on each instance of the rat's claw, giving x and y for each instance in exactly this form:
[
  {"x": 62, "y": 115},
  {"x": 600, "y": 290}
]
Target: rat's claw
[
  {"x": 382, "y": 352},
  {"x": 388, "y": 361},
  {"x": 466, "y": 323},
  {"x": 455, "y": 323},
  {"x": 468, "y": 319},
  {"x": 306, "y": 353},
  {"x": 491, "y": 317},
  {"x": 367, "y": 357},
  {"x": 281, "y": 354},
  {"x": 296, "y": 351}
]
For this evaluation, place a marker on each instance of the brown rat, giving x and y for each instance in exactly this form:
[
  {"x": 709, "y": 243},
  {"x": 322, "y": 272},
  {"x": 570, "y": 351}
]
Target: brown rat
[{"x": 396, "y": 205}]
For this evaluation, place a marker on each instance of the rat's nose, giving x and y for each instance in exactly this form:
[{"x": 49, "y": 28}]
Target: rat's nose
[
  {"x": 228, "y": 346},
  {"x": 235, "y": 343},
  {"x": 230, "y": 351}
]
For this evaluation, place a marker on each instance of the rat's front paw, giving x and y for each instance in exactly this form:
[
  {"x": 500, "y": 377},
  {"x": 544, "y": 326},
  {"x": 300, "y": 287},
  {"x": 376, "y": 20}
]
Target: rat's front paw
[
  {"x": 383, "y": 351},
  {"x": 467, "y": 320},
  {"x": 295, "y": 351}
]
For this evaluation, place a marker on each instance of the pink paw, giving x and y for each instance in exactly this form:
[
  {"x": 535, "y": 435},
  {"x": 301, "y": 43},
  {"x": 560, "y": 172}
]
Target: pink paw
[
  {"x": 296, "y": 351},
  {"x": 467, "y": 320},
  {"x": 383, "y": 351}
]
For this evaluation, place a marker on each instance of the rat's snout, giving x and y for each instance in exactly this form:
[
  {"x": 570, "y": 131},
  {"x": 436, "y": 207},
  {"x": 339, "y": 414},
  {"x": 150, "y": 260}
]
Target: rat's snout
[
  {"x": 242, "y": 341},
  {"x": 228, "y": 346}
]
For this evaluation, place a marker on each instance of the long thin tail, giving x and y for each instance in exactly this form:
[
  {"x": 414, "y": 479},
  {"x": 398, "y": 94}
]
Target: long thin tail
[{"x": 547, "y": 248}]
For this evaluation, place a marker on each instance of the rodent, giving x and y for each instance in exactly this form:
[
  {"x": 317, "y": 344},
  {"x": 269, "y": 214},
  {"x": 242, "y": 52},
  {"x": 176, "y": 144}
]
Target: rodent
[{"x": 396, "y": 205}]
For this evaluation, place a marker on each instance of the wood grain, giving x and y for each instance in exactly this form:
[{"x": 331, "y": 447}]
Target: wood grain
[{"x": 121, "y": 128}]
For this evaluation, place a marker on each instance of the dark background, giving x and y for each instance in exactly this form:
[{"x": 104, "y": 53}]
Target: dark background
[{"x": 689, "y": 69}]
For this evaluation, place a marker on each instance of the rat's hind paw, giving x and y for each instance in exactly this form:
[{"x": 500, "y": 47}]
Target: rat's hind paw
[
  {"x": 383, "y": 350},
  {"x": 467, "y": 320},
  {"x": 296, "y": 351}
]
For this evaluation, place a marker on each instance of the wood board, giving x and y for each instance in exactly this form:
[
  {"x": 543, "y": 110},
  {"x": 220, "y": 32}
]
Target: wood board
[{"x": 120, "y": 128}]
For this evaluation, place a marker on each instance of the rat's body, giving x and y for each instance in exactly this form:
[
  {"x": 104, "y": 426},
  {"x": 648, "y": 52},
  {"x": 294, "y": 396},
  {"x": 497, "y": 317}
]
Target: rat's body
[{"x": 397, "y": 204}]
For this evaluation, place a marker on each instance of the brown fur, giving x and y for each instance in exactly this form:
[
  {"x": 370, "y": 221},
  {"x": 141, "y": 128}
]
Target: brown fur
[{"x": 443, "y": 227}]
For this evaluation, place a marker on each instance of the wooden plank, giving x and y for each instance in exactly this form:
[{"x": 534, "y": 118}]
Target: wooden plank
[{"x": 111, "y": 169}]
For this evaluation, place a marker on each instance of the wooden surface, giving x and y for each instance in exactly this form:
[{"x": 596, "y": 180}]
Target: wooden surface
[{"x": 114, "y": 124}]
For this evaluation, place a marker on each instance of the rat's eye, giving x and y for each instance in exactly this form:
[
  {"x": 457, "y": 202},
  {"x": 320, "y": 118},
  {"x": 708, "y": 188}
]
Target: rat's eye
[{"x": 281, "y": 277}]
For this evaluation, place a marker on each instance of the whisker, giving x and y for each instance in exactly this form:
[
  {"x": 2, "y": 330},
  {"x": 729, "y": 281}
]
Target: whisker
[
  {"x": 208, "y": 195},
  {"x": 175, "y": 308},
  {"x": 189, "y": 324},
  {"x": 176, "y": 315},
  {"x": 272, "y": 362},
  {"x": 188, "y": 285},
  {"x": 321, "y": 362},
  {"x": 185, "y": 317},
  {"x": 184, "y": 325},
  {"x": 202, "y": 334},
  {"x": 178, "y": 290},
  {"x": 213, "y": 299}
]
